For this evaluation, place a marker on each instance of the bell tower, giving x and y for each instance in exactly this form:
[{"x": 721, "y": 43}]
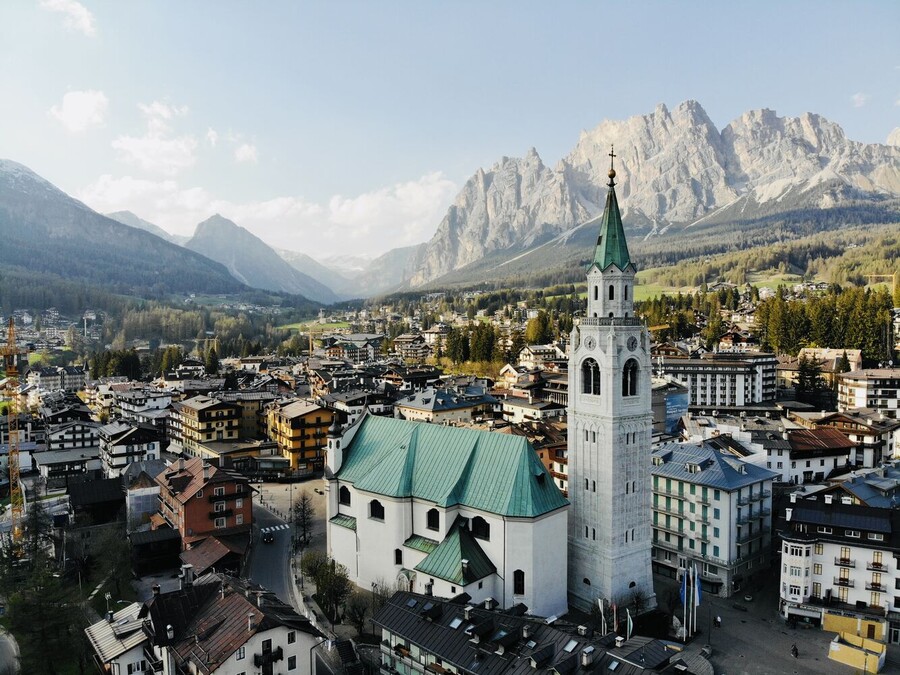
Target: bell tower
[{"x": 610, "y": 422}]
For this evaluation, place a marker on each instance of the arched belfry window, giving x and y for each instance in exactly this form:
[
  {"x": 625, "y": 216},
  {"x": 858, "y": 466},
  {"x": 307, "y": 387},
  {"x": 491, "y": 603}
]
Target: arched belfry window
[
  {"x": 630, "y": 378},
  {"x": 518, "y": 582},
  {"x": 596, "y": 292},
  {"x": 344, "y": 496},
  {"x": 625, "y": 292},
  {"x": 612, "y": 292},
  {"x": 590, "y": 377}
]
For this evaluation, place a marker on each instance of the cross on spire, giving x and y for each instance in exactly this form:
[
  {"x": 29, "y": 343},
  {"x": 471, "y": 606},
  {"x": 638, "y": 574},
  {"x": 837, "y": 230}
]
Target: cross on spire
[{"x": 612, "y": 171}]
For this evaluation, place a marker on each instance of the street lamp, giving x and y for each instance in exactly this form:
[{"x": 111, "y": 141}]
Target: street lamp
[{"x": 374, "y": 591}]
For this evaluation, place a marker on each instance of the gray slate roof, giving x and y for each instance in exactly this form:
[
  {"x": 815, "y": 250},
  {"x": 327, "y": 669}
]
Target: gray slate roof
[{"x": 717, "y": 470}]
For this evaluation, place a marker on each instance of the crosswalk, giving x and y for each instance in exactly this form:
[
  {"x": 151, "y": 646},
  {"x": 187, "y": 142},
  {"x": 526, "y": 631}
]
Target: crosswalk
[{"x": 274, "y": 528}]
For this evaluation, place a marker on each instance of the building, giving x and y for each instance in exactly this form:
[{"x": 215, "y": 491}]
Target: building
[
  {"x": 875, "y": 388},
  {"x": 200, "y": 500},
  {"x": 423, "y": 634},
  {"x": 839, "y": 566},
  {"x": 200, "y": 419},
  {"x": 443, "y": 510},
  {"x": 75, "y": 435},
  {"x": 522, "y": 410},
  {"x": 462, "y": 404},
  {"x": 411, "y": 347},
  {"x": 253, "y": 406},
  {"x": 877, "y": 437},
  {"x": 299, "y": 428},
  {"x": 810, "y": 455},
  {"x": 713, "y": 509},
  {"x": 535, "y": 356},
  {"x": 609, "y": 427},
  {"x": 133, "y": 404},
  {"x": 724, "y": 379},
  {"x": 122, "y": 443},
  {"x": 215, "y": 624}
]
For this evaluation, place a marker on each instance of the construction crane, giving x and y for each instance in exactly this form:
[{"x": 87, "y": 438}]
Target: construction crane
[{"x": 10, "y": 355}]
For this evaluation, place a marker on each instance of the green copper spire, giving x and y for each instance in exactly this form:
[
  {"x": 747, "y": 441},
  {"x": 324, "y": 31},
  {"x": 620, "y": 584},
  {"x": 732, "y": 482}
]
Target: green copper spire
[{"x": 611, "y": 245}]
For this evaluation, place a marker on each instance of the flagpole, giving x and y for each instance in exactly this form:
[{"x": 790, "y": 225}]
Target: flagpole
[{"x": 684, "y": 602}]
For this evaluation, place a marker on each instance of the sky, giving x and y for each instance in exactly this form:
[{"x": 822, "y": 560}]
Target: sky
[{"x": 339, "y": 128}]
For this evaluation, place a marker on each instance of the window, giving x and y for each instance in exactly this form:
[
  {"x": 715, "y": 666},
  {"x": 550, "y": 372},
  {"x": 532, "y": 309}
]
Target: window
[
  {"x": 433, "y": 518},
  {"x": 819, "y": 548},
  {"x": 398, "y": 556},
  {"x": 238, "y": 503},
  {"x": 219, "y": 491},
  {"x": 219, "y": 507},
  {"x": 480, "y": 528},
  {"x": 220, "y": 523},
  {"x": 817, "y": 568},
  {"x": 852, "y": 533},
  {"x": 596, "y": 292},
  {"x": 239, "y": 519},
  {"x": 344, "y": 495},
  {"x": 518, "y": 582},
  {"x": 199, "y": 494},
  {"x": 240, "y": 654},
  {"x": 612, "y": 292},
  {"x": 138, "y": 667},
  {"x": 376, "y": 510},
  {"x": 629, "y": 378},
  {"x": 292, "y": 663},
  {"x": 590, "y": 377}
]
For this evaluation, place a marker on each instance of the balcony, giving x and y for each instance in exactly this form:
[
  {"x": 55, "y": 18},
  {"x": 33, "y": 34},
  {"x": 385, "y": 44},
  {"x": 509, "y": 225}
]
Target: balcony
[
  {"x": 227, "y": 513},
  {"x": 267, "y": 658},
  {"x": 875, "y": 566},
  {"x": 662, "y": 508},
  {"x": 844, "y": 562},
  {"x": 845, "y": 582},
  {"x": 668, "y": 545},
  {"x": 153, "y": 661},
  {"x": 674, "y": 528},
  {"x": 750, "y": 536},
  {"x": 743, "y": 501},
  {"x": 670, "y": 493},
  {"x": 872, "y": 586}
]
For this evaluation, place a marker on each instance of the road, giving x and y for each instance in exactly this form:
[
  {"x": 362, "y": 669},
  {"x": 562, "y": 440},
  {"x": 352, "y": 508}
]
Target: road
[
  {"x": 9, "y": 654},
  {"x": 270, "y": 563}
]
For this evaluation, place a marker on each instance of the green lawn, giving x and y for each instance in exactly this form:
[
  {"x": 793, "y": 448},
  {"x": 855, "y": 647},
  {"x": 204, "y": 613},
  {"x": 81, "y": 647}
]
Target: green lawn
[
  {"x": 772, "y": 279},
  {"x": 315, "y": 326}
]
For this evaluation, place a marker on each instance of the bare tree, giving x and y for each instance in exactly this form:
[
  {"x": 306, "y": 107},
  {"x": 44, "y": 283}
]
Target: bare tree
[{"x": 304, "y": 510}]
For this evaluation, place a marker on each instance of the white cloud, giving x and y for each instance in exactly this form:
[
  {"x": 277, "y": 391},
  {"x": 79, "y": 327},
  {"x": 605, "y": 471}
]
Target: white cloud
[
  {"x": 158, "y": 150},
  {"x": 859, "y": 99},
  {"x": 373, "y": 222},
  {"x": 246, "y": 152},
  {"x": 81, "y": 110},
  {"x": 77, "y": 17},
  {"x": 212, "y": 137}
]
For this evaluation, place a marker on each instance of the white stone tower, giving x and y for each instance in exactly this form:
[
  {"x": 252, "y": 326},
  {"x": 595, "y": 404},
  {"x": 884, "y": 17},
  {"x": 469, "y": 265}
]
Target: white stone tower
[{"x": 610, "y": 421}]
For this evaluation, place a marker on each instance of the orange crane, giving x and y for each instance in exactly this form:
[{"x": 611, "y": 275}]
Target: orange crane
[{"x": 10, "y": 355}]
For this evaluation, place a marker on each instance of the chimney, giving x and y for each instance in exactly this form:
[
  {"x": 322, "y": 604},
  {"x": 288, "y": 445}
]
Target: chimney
[
  {"x": 619, "y": 641},
  {"x": 587, "y": 656},
  {"x": 109, "y": 616},
  {"x": 156, "y": 589},
  {"x": 526, "y": 631},
  {"x": 205, "y": 471},
  {"x": 250, "y": 616},
  {"x": 582, "y": 630},
  {"x": 467, "y": 612},
  {"x": 259, "y": 600},
  {"x": 465, "y": 566},
  {"x": 828, "y": 499},
  {"x": 187, "y": 576},
  {"x": 793, "y": 498},
  {"x": 181, "y": 463},
  {"x": 489, "y": 603},
  {"x": 788, "y": 513},
  {"x": 170, "y": 632}
]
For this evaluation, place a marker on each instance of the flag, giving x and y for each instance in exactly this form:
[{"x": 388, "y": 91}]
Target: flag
[
  {"x": 615, "y": 619},
  {"x": 630, "y": 626},
  {"x": 602, "y": 615},
  {"x": 696, "y": 587},
  {"x": 684, "y": 587}
]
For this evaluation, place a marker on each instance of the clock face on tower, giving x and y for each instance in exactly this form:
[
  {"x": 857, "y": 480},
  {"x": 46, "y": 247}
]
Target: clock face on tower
[
  {"x": 632, "y": 343},
  {"x": 589, "y": 342}
]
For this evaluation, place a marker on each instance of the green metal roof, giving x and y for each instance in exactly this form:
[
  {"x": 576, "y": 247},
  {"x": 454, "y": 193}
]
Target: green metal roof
[
  {"x": 344, "y": 521},
  {"x": 488, "y": 471},
  {"x": 445, "y": 562},
  {"x": 420, "y": 543},
  {"x": 612, "y": 249}
]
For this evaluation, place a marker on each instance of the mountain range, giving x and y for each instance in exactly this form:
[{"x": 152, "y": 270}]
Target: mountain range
[{"x": 685, "y": 188}]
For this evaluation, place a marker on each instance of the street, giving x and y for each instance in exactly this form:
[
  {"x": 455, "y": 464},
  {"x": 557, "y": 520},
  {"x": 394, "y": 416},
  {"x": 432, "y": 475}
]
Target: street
[{"x": 270, "y": 563}]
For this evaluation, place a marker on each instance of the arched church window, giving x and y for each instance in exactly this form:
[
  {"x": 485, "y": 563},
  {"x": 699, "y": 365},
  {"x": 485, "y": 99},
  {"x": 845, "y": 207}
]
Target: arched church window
[
  {"x": 625, "y": 292},
  {"x": 629, "y": 378},
  {"x": 596, "y": 292},
  {"x": 590, "y": 377},
  {"x": 518, "y": 582},
  {"x": 612, "y": 292},
  {"x": 344, "y": 495}
]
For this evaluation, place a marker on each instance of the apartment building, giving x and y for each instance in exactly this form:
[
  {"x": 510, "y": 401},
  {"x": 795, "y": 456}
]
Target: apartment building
[
  {"x": 299, "y": 428},
  {"x": 122, "y": 443},
  {"x": 839, "y": 566},
  {"x": 875, "y": 388},
  {"x": 200, "y": 500},
  {"x": 200, "y": 419},
  {"x": 711, "y": 508},
  {"x": 724, "y": 379},
  {"x": 876, "y": 436}
]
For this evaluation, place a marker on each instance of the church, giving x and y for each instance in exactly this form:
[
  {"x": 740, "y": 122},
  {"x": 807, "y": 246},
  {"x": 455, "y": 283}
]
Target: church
[{"x": 441, "y": 510}]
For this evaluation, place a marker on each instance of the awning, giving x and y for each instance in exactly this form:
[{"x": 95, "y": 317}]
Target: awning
[{"x": 800, "y": 611}]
